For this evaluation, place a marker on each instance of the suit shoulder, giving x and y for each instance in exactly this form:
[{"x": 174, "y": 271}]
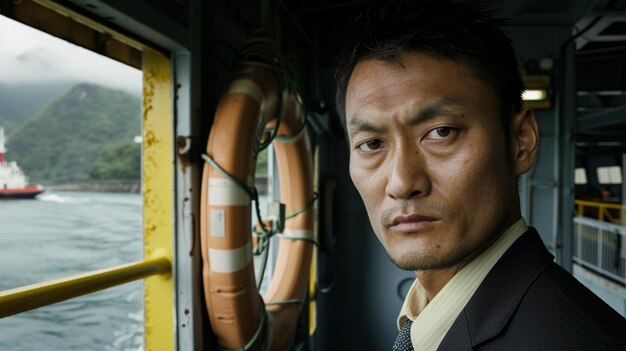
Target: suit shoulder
[{"x": 565, "y": 309}]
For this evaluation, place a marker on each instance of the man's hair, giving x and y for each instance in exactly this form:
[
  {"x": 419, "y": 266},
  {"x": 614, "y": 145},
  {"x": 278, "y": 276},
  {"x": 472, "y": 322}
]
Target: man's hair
[{"x": 463, "y": 31}]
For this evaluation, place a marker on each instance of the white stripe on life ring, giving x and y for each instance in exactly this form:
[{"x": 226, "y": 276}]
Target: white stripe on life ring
[
  {"x": 247, "y": 86},
  {"x": 225, "y": 192},
  {"x": 230, "y": 261},
  {"x": 298, "y": 234},
  {"x": 294, "y": 138}
]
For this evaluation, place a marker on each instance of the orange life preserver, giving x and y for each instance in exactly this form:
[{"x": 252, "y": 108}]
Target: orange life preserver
[{"x": 238, "y": 315}]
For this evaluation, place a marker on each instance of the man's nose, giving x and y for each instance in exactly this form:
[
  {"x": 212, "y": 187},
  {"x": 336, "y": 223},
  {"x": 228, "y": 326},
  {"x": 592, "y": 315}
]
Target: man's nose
[{"x": 408, "y": 174}]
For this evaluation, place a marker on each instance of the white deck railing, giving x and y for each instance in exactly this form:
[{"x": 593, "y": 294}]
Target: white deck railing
[{"x": 601, "y": 247}]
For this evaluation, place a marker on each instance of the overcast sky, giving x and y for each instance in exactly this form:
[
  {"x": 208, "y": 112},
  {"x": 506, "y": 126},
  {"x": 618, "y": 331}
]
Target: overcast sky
[{"x": 29, "y": 55}]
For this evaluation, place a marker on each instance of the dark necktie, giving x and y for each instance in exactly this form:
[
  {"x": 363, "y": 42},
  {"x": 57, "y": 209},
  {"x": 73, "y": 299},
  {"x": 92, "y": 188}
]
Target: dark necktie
[{"x": 403, "y": 341}]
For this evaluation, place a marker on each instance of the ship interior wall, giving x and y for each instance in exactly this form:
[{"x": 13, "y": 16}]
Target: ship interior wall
[{"x": 359, "y": 290}]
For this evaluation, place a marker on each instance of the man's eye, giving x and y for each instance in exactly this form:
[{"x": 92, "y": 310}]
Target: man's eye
[
  {"x": 370, "y": 145},
  {"x": 440, "y": 133}
]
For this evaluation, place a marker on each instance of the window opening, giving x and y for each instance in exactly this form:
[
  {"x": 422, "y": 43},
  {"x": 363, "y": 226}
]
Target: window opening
[
  {"x": 267, "y": 183},
  {"x": 609, "y": 175},
  {"x": 71, "y": 120},
  {"x": 580, "y": 176}
]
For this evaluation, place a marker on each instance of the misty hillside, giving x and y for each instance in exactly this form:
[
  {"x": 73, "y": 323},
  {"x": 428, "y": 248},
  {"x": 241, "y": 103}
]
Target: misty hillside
[
  {"x": 18, "y": 101},
  {"x": 77, "y": 137},
  {"x": 39, "y": 75}
]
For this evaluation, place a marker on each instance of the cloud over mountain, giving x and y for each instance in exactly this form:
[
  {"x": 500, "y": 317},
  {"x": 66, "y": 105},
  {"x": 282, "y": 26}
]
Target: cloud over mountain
[
  {"x": 30, "y": 56},
  {"x": 44, "y": 65}
]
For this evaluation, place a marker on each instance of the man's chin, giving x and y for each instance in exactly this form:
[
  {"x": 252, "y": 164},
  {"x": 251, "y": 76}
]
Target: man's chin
[{"x": 417, "y": 262}]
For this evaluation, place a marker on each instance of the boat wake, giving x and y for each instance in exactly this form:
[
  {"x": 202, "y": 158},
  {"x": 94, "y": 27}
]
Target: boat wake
[{"x": 63, "y": 199}]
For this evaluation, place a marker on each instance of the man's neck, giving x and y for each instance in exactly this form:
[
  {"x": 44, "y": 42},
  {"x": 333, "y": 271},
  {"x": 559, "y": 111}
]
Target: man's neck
[{"x": 434, "y": 280}]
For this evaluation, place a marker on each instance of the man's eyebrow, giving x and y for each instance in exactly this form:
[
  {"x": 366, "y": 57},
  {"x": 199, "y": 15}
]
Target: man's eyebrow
[
  {"x": 360, "y": 126},
  {"x": 435, "y": 108}
]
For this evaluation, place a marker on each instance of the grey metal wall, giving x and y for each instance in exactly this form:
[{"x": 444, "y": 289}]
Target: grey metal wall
[
  {"x": 546, "y": 192},
  {"x": 359, "y": 298}
]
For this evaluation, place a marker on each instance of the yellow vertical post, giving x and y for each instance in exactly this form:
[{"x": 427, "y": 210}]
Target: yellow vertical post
[
  {"x": 601, "y": 213},
  {"x": 313, "y": 294},
  {"x": 313, "y": 288},
  {"x": 158, "y": 188}
]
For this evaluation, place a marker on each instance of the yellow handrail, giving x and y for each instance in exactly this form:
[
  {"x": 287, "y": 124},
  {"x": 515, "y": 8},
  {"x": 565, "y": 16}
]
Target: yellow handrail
[
  {"x": 602, "y": 208},
  {"x": 32, "y": 296}
]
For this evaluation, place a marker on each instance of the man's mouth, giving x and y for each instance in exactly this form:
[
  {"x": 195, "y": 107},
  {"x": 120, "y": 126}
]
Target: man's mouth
[{"x": 412, "y": 222}]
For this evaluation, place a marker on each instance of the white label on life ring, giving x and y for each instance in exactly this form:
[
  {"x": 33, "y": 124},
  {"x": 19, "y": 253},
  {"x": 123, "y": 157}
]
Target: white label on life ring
[
  {"x": 218, "y": 223},
  {"x": 247, "y": 86},
  {"x": 224, "y": 192},
  {"x": 230, "y": 261}
]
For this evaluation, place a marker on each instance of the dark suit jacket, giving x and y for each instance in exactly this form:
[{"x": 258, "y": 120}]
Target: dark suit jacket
[{"x": 528, "y": 302}]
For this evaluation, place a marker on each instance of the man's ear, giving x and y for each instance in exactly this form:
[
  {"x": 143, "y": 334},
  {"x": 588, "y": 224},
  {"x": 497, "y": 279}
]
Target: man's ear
[{"x": 524, "y": 140}]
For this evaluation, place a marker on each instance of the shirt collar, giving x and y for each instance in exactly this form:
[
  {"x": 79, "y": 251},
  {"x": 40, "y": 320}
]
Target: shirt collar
[{"x": 431, "y": 320}]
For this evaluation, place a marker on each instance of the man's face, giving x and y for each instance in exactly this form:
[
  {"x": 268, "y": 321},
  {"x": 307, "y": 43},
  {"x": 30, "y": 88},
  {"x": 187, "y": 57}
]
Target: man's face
[{"x": 429, "y": 157}]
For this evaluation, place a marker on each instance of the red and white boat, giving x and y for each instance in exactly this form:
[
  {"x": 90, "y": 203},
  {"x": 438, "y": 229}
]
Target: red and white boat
[{"x": 13, "y": 182}]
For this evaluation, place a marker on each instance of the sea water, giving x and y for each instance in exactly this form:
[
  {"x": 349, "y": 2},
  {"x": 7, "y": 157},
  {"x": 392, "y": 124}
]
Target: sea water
[{"x": 65, "y": 233}]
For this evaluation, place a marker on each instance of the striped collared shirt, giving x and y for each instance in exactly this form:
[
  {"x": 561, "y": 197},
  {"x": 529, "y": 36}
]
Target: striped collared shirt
[{"x": 432, "y": 320}]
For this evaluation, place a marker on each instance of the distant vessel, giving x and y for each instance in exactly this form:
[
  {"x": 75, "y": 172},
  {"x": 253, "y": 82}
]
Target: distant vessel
[{"x": 13, "y": 182}]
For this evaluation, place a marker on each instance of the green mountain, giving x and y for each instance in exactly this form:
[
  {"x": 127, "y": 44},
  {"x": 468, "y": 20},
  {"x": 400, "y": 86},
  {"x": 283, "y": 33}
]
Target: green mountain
[
  {"x": 65, "y": 140},
  {"x": 121, "y": 160}
]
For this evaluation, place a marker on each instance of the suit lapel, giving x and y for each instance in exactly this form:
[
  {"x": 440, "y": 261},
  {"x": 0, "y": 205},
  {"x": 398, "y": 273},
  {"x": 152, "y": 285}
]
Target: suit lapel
[{"x": 495, "y": 301}]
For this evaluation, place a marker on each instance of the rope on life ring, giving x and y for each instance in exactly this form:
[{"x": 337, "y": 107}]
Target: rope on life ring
[{"x": 260, "y": 96}]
